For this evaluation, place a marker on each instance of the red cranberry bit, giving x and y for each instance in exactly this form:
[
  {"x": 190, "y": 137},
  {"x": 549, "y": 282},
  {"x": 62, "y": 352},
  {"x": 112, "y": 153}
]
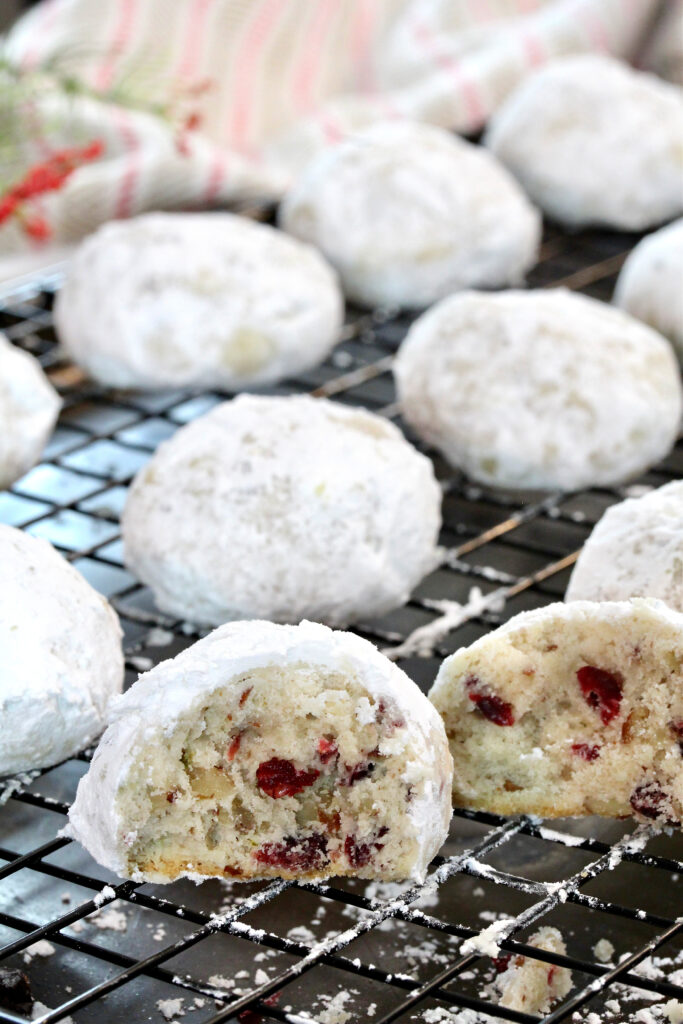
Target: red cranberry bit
[
  {"x": 360, "y": 854},
  {"x": 295, "y": 854},
  {"x": 501, "y": 963},
  {"x": 244, "y": 695},
  {"x": 278, "y": 777},
  {"x": 492, "y": 707},
  {"x": 253, "y": 1016},
  {"x": 356, "y": 772},
  {"x": 172, "y": 796},
  {"x": 647, "y": 799},
  {"x": 231, "y": 871},
  {"x": 677, "y": 729},
  {"x": 588, "y": 751},
  {"x": 327, "y": 749},
  {"x": 601, "y": 690},
  {"x": 551, "y": 974},
  {"x": 234, "y": 747}
]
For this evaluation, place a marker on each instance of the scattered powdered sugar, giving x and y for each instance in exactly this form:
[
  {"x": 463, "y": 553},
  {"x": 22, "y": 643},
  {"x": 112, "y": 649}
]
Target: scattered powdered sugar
[
  {"x": 218, "y": 982},
  {"x": 112, "y": 919},
  {"x": 487, "y": 941},
  {"x": 334, "y": 1013},
  {"x": 158, "y": 637},
  {"x": 560, "y": 837},
  {"x": 439, "y": 1015},
  {"x": 170, "y": 1008},
  {"x": 603, "y": 950},
  {"x": 423, "y": 640},
  {"x": 103, "y": 895},
  {"x": 40, "y": 948},
  {"x": 141, "y": 663},
  {"x": 341, "y": 359},
  {"x": 632, "y": 844},
  {"x": 300, "y": 933},
  {"x": 16, "y": 784},
  {"x": 449, "y": 557},
  {"x": 38, "y": 1009}
]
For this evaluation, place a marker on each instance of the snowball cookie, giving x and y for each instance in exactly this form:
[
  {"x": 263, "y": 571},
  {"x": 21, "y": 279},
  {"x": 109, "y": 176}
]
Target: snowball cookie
[
  {"x": 650, "y": 285},
  {"x": 570, "y": 709},
  {"x": 636, "y": 550},
  {"x": 196, "y": 300},
  {"x": 283, "y": 508},
  {"x": 539, "y": 389},
  {"x": 262, "y": 751},
  {"x": 408, "y": 213},
  {"x": 60, "y": 656},
  {"x": 594, "y": 142},
  {"x": 29, "y": 407}
]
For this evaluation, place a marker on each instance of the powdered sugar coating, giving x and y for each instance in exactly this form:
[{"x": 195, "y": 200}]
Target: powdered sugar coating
[
  {"x": 29, "y": 407},
  {"x": 200, "y": 299},
  {"x": 283, "y": 508},
  {"x": 408, "y": 213},
  {"x": 636, "y": 550},
  {"x": 540, "y": 388},
  {"x": 650, "y": 285},
  {"x": 148, "y": 713},
  {"x": 60, "y": 655},
  {"x": 594, "y": 142}
]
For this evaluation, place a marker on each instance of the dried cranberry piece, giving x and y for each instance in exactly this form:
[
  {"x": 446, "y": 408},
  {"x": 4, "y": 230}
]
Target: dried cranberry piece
[
  {"x": 588, "y": 751},
  {"x": 245, "y": 694},
  {"x": 295, "y": 854},
  {"x": 356, "y": 772},
  {"x": 502, "y": 962},
  {"x": 232, "y": 871},
  {"x": 602, "y": 691},
  {"x": 253, "y": 1016},
  {"x": 492, "y": 707},
  {"x": 360, "y": 854},
  {"x": 278, "y": 777},
  {"x": 647, "y": 798},
  {"x": 677, "y": 729},
  {"x": 327, "y": 749},
  {"x": 234, "y": 747},
  {"x": 172, "y": 796}
]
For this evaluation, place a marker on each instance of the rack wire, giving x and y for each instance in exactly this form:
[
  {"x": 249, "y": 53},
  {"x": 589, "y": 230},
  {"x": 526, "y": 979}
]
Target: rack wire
[{"x": 318, "y": 951}]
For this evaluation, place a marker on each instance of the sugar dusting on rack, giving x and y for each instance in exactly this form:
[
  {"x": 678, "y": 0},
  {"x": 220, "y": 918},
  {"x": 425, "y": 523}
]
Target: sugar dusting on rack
[{"x": 424, "y": 639}]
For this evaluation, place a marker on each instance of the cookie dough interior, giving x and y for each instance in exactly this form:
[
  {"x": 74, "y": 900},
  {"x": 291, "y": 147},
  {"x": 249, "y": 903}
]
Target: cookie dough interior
[
  {"x": 569, "y": 718},
  {"x": 300, "y": 780}
]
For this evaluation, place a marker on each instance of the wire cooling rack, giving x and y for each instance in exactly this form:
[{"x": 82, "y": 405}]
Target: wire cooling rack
[{"x": 100, "y": 950}]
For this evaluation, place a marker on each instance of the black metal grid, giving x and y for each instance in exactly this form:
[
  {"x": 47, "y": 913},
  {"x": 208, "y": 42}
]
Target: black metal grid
[{"x": 615, "y": 882}]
